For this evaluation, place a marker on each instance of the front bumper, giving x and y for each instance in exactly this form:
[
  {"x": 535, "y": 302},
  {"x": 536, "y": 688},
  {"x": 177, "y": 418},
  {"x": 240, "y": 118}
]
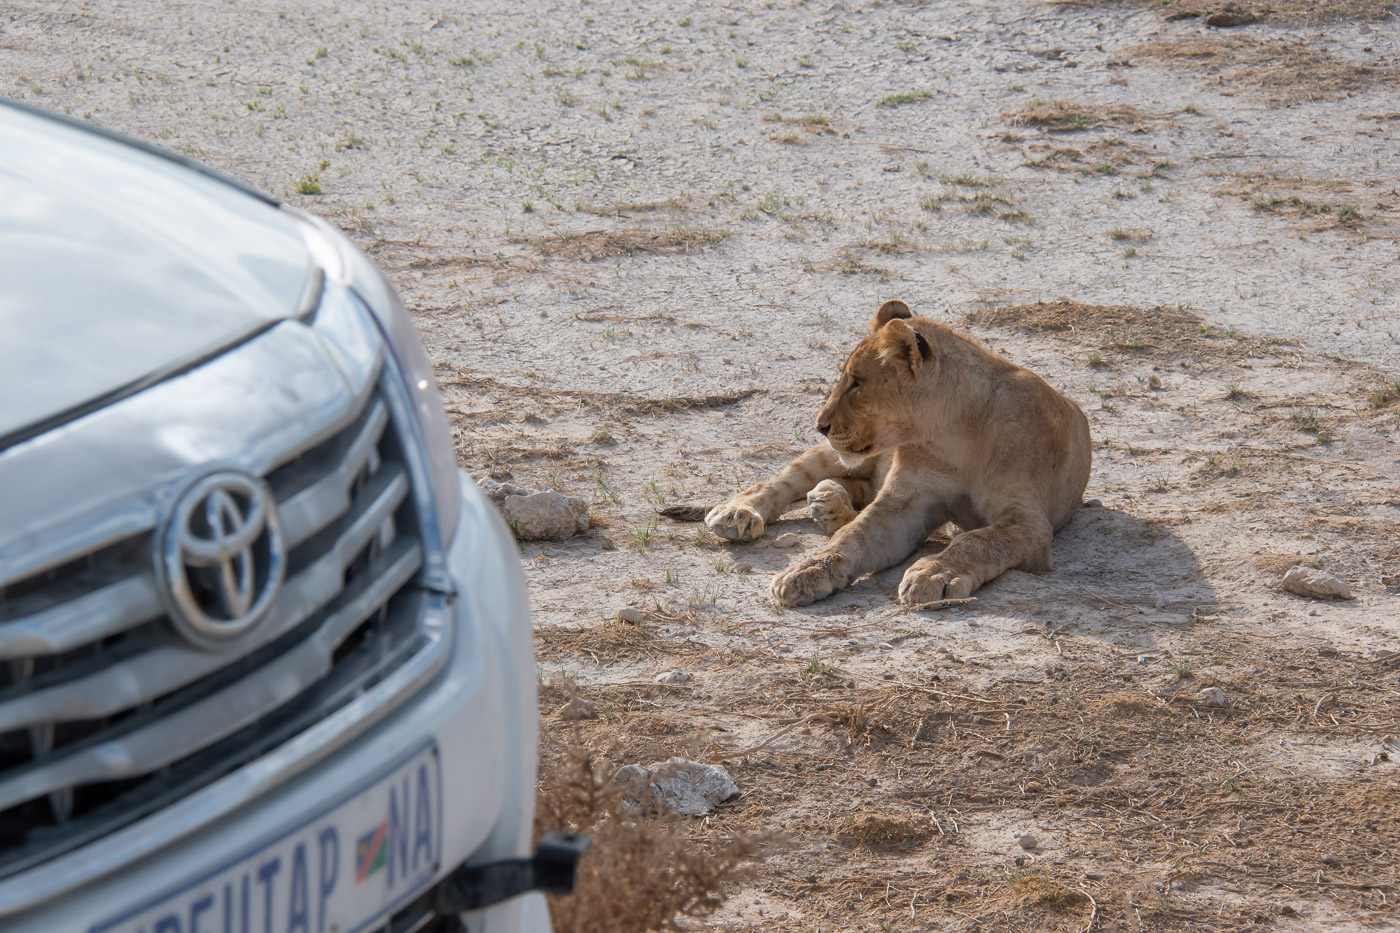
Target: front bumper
[{"x": 481, "y": 712}]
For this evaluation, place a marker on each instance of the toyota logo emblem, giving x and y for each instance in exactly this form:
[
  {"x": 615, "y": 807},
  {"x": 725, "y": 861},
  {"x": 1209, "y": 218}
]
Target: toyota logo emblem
[{"x": 221, "y": 557}]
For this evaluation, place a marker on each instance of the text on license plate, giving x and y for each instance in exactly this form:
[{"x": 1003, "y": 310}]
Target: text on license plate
[{"x": 337, "y": 872}]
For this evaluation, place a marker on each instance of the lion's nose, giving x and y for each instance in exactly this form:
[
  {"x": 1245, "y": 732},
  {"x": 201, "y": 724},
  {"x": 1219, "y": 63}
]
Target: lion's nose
[{"x": 824, "y": 427}]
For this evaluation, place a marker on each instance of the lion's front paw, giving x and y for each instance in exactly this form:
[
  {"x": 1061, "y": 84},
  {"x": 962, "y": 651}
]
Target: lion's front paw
[
  {"x": 830, "y": 506},
  {"x": 928, "y": 581},
  {"x": 809, "y": 580},
  {"x": 735, "y": 522}
]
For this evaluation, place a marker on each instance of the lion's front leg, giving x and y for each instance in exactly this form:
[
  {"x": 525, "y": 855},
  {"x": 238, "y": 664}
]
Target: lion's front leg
[
  {"x": 744, "y": 517},
  {"x": 879, "y": 537},
  {"x": 973, "y": 558}
]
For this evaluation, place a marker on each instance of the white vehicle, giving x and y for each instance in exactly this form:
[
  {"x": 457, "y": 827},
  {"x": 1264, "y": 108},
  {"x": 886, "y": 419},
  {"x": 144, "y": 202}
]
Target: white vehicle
[{"x": 265, "y": 654}]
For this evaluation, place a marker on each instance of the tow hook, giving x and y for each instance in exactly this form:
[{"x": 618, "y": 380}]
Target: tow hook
[{"x": 553, "y": 869}]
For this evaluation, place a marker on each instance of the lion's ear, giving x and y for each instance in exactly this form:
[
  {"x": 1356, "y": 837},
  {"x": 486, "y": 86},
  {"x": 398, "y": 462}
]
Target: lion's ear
[
  {"x": 888, "y": 312},
  {"x": 904, "y": 348}
]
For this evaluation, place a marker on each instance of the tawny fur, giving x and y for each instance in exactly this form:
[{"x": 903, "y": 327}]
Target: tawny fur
[{"x": 925, "y": 427}]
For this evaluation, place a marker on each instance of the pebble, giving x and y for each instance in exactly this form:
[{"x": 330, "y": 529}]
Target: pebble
[
  {"x": 1317, "y": 584},
  {"x": 673, "y": 677},
  {"x": 629, "y": 615},
  {"x": 787, "y": 540},
  {"x": 1331, "y": 859},
  {"x": 1154, "y": 381},
  {"x": 742, "y": 567},
  {"x": 1027, "y": 842},
  {"x": 1213, "y": 696}
]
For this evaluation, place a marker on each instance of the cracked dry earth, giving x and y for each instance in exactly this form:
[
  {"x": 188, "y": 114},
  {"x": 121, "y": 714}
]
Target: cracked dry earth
[{"x": 638, "y": 240}]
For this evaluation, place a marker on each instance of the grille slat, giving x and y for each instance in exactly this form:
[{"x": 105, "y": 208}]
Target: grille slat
[
  {"x": 99, "y": 614},
  {"x": 319, "y": 504}
]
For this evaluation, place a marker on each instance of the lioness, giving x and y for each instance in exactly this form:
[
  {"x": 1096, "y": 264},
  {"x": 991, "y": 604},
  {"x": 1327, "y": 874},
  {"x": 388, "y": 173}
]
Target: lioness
[{"x": 925, "y": 426}]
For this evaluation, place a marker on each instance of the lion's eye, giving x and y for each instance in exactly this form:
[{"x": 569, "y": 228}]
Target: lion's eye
[{"x": 855, "y": 383}]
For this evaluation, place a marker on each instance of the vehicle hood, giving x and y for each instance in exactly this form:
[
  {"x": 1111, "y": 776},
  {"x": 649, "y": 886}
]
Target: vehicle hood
[{"x": 120, "y": 265}]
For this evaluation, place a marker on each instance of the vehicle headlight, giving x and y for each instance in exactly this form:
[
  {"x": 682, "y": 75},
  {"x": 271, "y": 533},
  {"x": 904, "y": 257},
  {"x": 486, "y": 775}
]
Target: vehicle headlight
[{"x": 346, "y": 266}]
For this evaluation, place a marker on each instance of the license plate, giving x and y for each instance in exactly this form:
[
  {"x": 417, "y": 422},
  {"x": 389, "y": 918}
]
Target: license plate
[{"x": 338, "y": 871}]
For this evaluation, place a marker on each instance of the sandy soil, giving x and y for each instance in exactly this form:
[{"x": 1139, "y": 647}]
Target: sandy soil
[{"x": 640, "y": 237}]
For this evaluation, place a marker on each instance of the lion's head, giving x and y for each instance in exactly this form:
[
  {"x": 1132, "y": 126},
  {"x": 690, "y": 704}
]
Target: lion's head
[{"x": 871, "y": 408}]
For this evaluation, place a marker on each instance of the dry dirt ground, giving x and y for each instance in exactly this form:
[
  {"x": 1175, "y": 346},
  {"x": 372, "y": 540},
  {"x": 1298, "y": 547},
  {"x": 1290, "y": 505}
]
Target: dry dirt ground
[{"x": 638, "y": 239}]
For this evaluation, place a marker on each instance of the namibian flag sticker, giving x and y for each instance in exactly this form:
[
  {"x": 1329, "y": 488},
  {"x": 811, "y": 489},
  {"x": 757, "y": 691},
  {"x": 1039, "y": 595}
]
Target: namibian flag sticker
[{"x": 370, "y": 852}]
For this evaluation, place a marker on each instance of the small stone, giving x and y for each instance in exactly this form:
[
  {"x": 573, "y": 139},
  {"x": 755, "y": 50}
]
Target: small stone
[
  {"x": 872, "y": 781},
  {"x": 1229, "y": 18},
  {"x": 1154, "y": 381},
  {"x": 787, "y": 540},
  {"x": 578, "y": 708},
  {"x": 673, "y": 677},
  {"x": 1212, "y": 696},
  {"x": 1330, "y": 859},
  {"x": 886, "y": 645},
  {"x": 1027, "y": 842},
  {"x": 1317, "y": 584},
  {"x": 742, "y": 567},
  {"x": 630, "y": 615}
]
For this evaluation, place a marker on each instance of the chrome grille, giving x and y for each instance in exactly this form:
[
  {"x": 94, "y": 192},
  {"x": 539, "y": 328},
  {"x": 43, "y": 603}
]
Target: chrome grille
[{"x": 106, "y": 714}]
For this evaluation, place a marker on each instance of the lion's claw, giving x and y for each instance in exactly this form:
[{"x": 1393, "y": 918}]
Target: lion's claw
[
  {"x": 830, "y": 506},
  {"x": 735, "y": 522},
  {"x": 809, "y": 580},
  {"x": 930, "y": 582}
]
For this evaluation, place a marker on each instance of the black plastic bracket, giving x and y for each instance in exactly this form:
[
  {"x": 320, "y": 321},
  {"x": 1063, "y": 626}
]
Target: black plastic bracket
[{"x": 553, "y": 869}]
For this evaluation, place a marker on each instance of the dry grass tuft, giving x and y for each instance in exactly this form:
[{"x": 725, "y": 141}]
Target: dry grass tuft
[
  {"x": 1270, "y": 562},
  {"x": 1289, "y": 12},
  {"x": 1058, "y": 116},
  {"x": 1128, "y": 704},
  {"x": 869, "y": 828},
  {"x": 609, "y": 641},
  {"x": 641, "y": 874},
  {"x": 601, "y": 244},
  {"x": 1160, "y": 327},
  {"x": 1283, "y": 70},
  {"x": 1034, "y": 888},
  {"x": 1103, "y": 157}
]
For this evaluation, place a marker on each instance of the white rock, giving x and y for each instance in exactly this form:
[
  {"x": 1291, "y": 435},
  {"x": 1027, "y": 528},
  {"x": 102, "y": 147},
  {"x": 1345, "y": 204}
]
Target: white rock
[
  {"x": 678, "y": 784},
  {"x": 537, "y": 515},
  {"x": 787, "y": 540},
  {"x": 629, "y": 615},
  {"x": 1212, "y": 696},
  {"x": 546, "y": 516},
  {"x": 673, "y": 677},
  {"x": 1318, "y": 584}
]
